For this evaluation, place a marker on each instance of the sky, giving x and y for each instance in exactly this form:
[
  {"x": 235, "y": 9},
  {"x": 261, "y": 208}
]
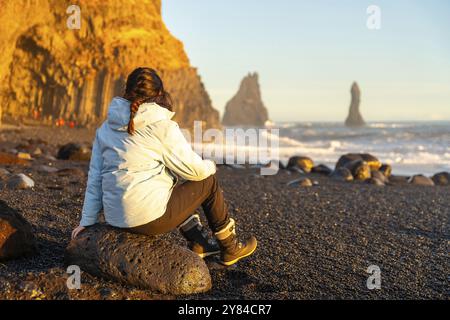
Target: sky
[{"x": 308, "y": 52}]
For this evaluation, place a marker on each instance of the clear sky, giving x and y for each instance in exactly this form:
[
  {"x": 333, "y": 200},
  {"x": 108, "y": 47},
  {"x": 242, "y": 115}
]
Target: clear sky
[{"x": 308, "y": 53}]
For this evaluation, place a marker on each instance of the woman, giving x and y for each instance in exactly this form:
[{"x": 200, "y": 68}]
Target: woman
[{"x": 137, "y": 155}]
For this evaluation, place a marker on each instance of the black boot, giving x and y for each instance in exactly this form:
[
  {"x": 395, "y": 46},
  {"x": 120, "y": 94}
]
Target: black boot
[
  {"x": 231, "y": 249},
  {"x": 198, "y": 238}
]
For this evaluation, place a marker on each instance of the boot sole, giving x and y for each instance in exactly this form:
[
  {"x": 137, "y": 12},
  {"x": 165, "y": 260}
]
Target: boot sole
[
  {"x": 229, "y": 263},
  {"x": 208, "y": 254}
]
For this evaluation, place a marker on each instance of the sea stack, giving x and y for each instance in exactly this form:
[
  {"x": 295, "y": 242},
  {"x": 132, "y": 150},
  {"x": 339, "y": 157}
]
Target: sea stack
[
  {"x": 355, "y": 118},
  {"x": 246, "y": 108},
  {"x": 51, "y": 72}
]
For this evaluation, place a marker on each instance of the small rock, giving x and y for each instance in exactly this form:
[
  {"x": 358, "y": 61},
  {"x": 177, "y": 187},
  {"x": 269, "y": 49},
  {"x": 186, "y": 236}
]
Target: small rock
[
  {"x": 24, "y": 155},
  {"x": 236, "y": 166},
  {"x": 398, "y": 180},
  {"x": 19, "y": 181},
  {"x": 375, "y": 181},
  {"x": 8, "y": 159},
  {"x": 299, "y": 162},
  {"x": 380, "y": 176},
  {"x": 74, "y": 151},
  {"x": 342, "y": 174},
  {"x": 441, "y": 179},
  {"x": 322, "y": 169},
  {"x": 37, "y": 152},
  {"x": 386, "y": 169},
  {"x": 303, "y": 182},
  {"x": 4, "y": 173},
  {"x": 421, "y": 180},
  {"x": 46, "y": 169},
  {"x": 16, "y": 237},
  {"x": 49, "y": 157}
]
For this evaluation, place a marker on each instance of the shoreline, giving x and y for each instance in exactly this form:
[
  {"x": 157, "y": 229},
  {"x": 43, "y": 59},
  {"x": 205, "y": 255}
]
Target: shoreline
[{"x": 314, "y": 242}]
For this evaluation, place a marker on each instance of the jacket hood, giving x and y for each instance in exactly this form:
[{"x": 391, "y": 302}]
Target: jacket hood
[{"x": 148, "y": 113}]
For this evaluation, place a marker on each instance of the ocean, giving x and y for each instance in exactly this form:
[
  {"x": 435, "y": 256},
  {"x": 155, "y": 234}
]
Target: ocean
[{"x": 410, "y": 147}]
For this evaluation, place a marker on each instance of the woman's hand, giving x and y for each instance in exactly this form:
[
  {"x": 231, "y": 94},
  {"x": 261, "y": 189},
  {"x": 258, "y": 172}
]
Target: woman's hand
[{"x": 77, "y": 231}]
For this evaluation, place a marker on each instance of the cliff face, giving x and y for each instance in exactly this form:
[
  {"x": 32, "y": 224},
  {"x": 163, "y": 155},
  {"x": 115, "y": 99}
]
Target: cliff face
[
  {"x": 355, "y": 118},
  {"x": 49, "y": 72},
  {"x": 246, "y": 107}
]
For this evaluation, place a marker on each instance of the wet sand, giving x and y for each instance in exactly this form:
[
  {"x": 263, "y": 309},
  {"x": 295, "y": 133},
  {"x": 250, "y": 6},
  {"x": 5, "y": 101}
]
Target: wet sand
[{"x": 314, "y": 243}]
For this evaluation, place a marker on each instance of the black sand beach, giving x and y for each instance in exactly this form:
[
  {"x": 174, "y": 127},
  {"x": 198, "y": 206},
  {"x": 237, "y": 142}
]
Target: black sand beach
[{"x": 314, "y": 242}]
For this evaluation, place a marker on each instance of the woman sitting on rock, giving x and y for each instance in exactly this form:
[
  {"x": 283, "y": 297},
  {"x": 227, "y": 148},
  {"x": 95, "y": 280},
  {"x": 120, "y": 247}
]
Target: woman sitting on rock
[{"x": 137, "y": 155}]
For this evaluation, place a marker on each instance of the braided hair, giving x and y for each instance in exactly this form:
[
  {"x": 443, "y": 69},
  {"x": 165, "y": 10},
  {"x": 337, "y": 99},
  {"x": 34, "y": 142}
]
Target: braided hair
[{"x": 144, "y": 85}]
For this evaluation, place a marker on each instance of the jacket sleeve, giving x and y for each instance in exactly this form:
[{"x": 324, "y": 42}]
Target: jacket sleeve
[
  {"x": 179, "y": 157},
  {"x": 93, "y": 202}
]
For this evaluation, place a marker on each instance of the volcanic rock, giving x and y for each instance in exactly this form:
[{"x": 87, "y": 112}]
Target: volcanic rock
[
  {"x": 8, "y": 159},
  {"x": 303, "y": 182},
  {"x": 322, "y": 169},
  {"x": 19, "y": 181},
  {"x": 74, "y": 151},
  {"x": 375, "y": 181},
  {"x": 299, "y": 162},
  {"x": 398, "y": 180},
  {"x": 380, "y": 176},
  {"x": 24, "y": 156},
  {"x": 421, "y": 180},
  {"x": 71, "y": 75},
  {"x": 46, "y": 169},
  {"x": 342, "y": 174},
  {"x": 371, "y": 160},
  {"x": 441, "y": 179},
  {"x": 16, "y": 236},
  {"x": 4, "y": 173},
  {"x": 386, "y": 169},
  {"x": 146, "y": 262},
  {"x": 246, "y": 108},
  {"x": 355, "y": 118}
]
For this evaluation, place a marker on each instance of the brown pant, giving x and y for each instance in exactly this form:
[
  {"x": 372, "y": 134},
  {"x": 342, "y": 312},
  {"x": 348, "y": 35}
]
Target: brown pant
[{"x": 183, "y": 202}]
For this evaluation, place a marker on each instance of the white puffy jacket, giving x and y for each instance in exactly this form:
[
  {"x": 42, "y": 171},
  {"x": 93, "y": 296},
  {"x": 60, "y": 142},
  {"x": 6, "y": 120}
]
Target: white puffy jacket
[{"x": 132, "y": 176}]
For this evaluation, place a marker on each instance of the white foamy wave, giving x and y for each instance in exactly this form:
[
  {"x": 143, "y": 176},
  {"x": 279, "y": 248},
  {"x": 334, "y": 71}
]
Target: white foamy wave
[{"x": 410, "y": 148}]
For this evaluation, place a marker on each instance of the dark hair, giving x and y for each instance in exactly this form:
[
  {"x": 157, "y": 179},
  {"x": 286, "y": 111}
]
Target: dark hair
[{"x": 145, "y": 85}]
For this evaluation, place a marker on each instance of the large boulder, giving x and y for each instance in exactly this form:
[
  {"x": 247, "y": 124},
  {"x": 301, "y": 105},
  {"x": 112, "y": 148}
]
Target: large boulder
[
  {"x": 371, "y": 160},
  {"x": 16, "y": 236},
  {"x": 146, "y": 262}
]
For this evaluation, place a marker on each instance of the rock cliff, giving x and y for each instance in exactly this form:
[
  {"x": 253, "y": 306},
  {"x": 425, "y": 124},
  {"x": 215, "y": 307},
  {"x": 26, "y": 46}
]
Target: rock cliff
[
  {"x": 355, "y": 118},
  {"x": 49, "y": 71},
  {"x": 246, "y": 107}
]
